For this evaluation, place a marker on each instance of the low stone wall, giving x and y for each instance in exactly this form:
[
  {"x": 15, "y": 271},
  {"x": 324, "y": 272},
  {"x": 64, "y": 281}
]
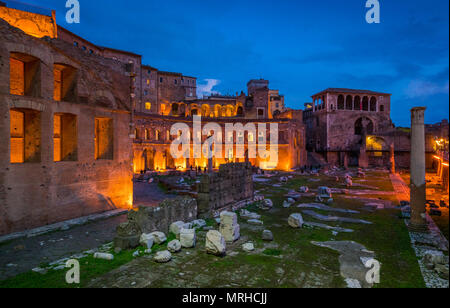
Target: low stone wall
[
  {"x": 150, "y": 219},
  {"x": 159, "y": 219},
  {"x": 233, "y": 183}
]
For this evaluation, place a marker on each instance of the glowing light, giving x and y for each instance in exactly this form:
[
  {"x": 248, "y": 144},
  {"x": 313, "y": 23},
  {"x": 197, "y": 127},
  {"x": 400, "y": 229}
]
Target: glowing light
[
  {"x": 436, "y": 157},
  {"x": 445, "y": 164}
]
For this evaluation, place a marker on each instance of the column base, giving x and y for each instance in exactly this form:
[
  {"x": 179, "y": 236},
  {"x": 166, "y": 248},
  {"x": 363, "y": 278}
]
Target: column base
[{"x": 420, "y": 228}]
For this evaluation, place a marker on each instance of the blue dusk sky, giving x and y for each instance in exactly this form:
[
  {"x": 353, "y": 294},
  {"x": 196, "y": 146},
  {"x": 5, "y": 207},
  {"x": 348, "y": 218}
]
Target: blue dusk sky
[{"x": 301, "y": 46}]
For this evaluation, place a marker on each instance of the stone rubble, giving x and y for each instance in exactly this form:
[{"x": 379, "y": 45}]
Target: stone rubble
[
  {"x": 188, "y": 238},
  {"x": 295, "y": 220},
  {"x": 174, "y": 246},
  {"x": 162, "y": 256},
  {"x": 229, "y": 226},
  {"x": 215, "y": 243}
]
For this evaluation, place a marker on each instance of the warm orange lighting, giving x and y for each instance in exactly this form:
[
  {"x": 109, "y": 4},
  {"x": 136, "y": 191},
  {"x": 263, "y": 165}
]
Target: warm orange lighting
[
  {"x": 445, "y": 164},
  {"x": 436, "y": 157}
]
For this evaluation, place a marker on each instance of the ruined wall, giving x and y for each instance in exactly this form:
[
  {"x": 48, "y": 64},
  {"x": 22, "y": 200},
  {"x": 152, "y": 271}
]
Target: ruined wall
[
  {"x": 150, "y": 219},
  {"x": 233, "y": 183},
  {"x": 43, "y": 191},
  {"x": 31, "y": 23}
]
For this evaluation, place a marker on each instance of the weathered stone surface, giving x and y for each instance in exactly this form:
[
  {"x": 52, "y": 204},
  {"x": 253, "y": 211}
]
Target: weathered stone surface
[
  {"x": 198, "y": 223},
  {"x": 249, "y": 215},
  {"x": 103, "y": 256},
  {"x": 174, "y": 246},
  {"x": 147, "y": 240},
  {"x": 160, "y": 218},
  {"x": 286, "y": 204},
  {"x": 267, "y": 235},
  {"x": 434, "y": 257},
  {"x": 215, "y": 243},
  {"x": 159, "y": 237},
  {"x": 176, "y": 227},
  {"x": 188, "y": 238},
  {"x": 128, "y": 235},
  {"x": 229, "y": 226},
  {"x": 304, "y": 189},
  {"x": 255, "y": 222},
  {"x": 163, "y": 256},
  {"x": 248, "y": 247},
  {"x": 266, "y": 204},
  {"x": 295, "y": 220}
]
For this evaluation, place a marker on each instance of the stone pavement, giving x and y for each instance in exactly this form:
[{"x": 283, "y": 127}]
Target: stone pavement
[
  {"x": 20, "y": 255},
  {"x": 421, "y": 243}
]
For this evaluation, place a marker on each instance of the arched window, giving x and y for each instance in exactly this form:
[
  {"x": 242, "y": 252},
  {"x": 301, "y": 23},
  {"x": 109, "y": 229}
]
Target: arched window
[
  {"x": 240, "y": 111},
  {"x": 148, "y": 106},
  {"x": 136, "y": 133},
  {"x": 146, "y": 134},
  {"x": 276, "y": 113},
  {"x": 373, "y": 104},
  {"x": 349, "y": 103},
  {"x": 341, "y": 102},
  {"x": 157, "y": 135},
  {"x": 382, "y": 108},
  {"x": 365, "y": 103},
  {"x": 175, "y": 109},
  {"x": 359, "y": 125},
  {"x": 357, "y": 103}
]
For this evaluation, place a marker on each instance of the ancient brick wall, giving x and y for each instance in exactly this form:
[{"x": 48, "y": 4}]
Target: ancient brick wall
[
  {"x": 40, "y": 190},
  {"x": 233, "y": 183},
  {"x": 150, "y": 219}
]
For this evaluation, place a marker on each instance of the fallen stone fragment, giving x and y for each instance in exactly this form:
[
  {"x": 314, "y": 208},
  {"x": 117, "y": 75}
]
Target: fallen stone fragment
[
  {"x": 303, "y": 189},
  {"x": 215, "y": 243},
  {"x": 353, "y": 283},
  {"x": 267, "y": 235},
  {"x": 229, "y": 227},
  {"x": 103, "y": 256},
  {"x": 434, "y": 257},
  {"x": 146, "y": 239},
  {"x": 255, "y": 222},
  {"x": 266, "y": 204},
  {"x": 174, "y": 246},
  {"x": 40, "y": 270},
  {"x": 286, "y": 204},
  {"x": 159, "y": 237},
  {"x": 176, "y": 227},
  {"x": 248, "y": 247},
  {"x": 324, "y": 207},
  {"x": 327, "y": 227},
  {"x": 249, "y": 215},
  {"x": 163, "y": 256},
  {"x": 199, "y": 223},
  {"x": 335, "y": 218},
  {"x": 188, "y": 238},
  {"x": 295, "y": 220}
]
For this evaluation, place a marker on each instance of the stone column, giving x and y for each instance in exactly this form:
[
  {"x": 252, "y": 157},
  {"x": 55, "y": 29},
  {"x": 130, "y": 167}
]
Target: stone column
[
  {"x": 418, "y": 185},
  {"x": 392, "y": 159}
]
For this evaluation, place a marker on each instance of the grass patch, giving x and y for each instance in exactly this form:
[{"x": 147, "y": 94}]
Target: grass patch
[{"x": 272, "y": 252}]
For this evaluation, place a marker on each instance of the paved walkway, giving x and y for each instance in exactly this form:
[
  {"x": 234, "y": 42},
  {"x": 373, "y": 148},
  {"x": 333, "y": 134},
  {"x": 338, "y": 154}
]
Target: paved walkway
[
  {"x": 20, "y": 255},
  {"x": 400, "y": 187}
]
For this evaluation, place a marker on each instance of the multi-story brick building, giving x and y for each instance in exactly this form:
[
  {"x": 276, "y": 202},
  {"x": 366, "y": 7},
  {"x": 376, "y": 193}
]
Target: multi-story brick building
[{"x": 65, "y": 150}]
